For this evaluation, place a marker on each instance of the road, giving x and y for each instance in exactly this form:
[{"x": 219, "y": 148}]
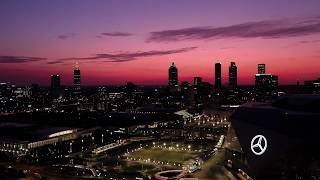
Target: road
[{"x": 214, "y": 169}]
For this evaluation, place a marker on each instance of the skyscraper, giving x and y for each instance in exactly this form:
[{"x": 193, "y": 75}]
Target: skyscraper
[
  {"x": 173, "y": 75},
  {"x": 56, "y": 90},
  {"x": 261, "y": 68},
  {"x": 217, "y": 78},
  {"x": 266, "y": 85},
  {"x": 197, "y": 84},
  {"x": 55, "y": 81},
  {"x": 76, "y": 79},
  {"x": 233, "y": 70},
  {"x": 197, "y": 81}
]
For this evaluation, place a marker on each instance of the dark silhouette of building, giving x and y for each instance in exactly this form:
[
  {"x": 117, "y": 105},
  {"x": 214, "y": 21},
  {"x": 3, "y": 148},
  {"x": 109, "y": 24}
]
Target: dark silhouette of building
[
  {"x": 261, "y": 68},
  {"x": 197, "y": 85},
  {"x": 266, "y": 82},
  {"x": 312, "y": 86},
  {"x": 55, "y": 81},
  {"x": 275, "y": 82},
  {"x": 173, "y": 75},
  {"x": 233, "y": 75},
  {"x": 130, "y": 87},
  {"x": 56, "y": 90},
  {"x": 76, "y": 79},
  {"x": 187, "y": 93},
  {"x": 206, "y": 88},
  {"x": 197, "y": 81},
  {"x": 5, "y": 89},
  {"x": 217, "y": 78},
  {"x": 266, "y": 85},
  {"x": 185, "y": 86},
  {"x": 35, "y": 89}
]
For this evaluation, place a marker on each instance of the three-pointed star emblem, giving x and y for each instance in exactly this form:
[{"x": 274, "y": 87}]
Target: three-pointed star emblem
[{"x": 258, "y": 144}]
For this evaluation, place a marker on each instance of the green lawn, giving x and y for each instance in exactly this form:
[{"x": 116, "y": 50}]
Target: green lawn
[
  {"x": 134, "y": 167},
  {"x": 164, "y": 155}
]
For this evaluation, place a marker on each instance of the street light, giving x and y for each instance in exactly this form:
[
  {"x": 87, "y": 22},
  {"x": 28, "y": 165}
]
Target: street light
[
  {"x": 101, "y": 138},
  {"x": 81, "y": 144},
  {"x": 70, "y": 147}
]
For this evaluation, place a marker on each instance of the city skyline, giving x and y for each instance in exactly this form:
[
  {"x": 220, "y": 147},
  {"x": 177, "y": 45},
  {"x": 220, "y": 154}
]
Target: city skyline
[
  {"x": 167, "y": 89},
  {"x": 177, "y": 81},
  {"x": 114, "y": 40}
]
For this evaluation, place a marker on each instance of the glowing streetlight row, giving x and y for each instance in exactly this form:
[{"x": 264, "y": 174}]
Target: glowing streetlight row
[{"x": 153, "y": 161}]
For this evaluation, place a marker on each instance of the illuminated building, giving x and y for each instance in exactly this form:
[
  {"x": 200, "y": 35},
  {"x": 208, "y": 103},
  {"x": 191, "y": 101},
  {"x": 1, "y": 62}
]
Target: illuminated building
[
  {"x": 32, "y": 137},
  {"x": 288, "y": 129},
  {"x": 76, "y": 79},
  {"x": 261, "y": 68}
]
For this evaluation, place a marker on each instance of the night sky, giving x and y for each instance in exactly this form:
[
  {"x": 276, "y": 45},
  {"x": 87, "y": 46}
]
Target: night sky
[{"x": 119, "y": 41}]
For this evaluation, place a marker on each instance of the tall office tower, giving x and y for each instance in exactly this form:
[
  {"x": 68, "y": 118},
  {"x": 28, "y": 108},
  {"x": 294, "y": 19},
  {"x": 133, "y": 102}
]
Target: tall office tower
[
  {"x": 173, "y": 75},
  {"x": 233, "y": 75},
  {"x": 261, "y": 68},
  {"x": 197, "y": 81},
  {"x": 217, "y": 78},
  {"x": 266, "y": 85},
  {"x": 55, "y": 81},
  {"x": 56, "y": 90},
  {"x": 76, "y": 79}
]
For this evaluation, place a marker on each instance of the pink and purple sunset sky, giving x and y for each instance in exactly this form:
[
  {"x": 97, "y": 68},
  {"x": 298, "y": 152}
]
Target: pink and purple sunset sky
[{"x": 119, "y": 41}]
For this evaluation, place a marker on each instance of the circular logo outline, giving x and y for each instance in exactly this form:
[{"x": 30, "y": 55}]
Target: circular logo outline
[{"x": 258, "y": 144}]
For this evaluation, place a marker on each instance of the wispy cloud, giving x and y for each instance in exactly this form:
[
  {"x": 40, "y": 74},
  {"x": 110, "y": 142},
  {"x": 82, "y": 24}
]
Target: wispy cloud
[
  {"x": 309, "y": 41},
  {"x": 66, "y": 36},
  {"x": 19, "y": 59},
  {"x": 54, "y": 62},
  {"x": 261, "y": 29},
  {"x": 124, "y": 56},
  {"x": 119, "y": 34},
  {"x": 227, "y": 47}
]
